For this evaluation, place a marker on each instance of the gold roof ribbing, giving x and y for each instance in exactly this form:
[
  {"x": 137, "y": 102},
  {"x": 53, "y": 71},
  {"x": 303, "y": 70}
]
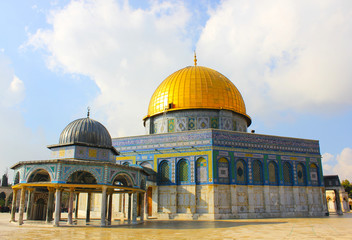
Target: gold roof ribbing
[{"x": 196, "y": 87}]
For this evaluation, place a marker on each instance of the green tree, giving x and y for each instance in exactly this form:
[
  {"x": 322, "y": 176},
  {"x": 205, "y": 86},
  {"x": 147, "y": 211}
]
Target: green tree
[
  {"x": 4, "y": 181},
  {"x": 348, "y": 187}
]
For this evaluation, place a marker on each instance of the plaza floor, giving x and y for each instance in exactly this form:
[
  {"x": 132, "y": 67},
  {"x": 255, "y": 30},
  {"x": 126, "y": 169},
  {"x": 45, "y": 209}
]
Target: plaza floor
[{"x": 332, "y": 227}]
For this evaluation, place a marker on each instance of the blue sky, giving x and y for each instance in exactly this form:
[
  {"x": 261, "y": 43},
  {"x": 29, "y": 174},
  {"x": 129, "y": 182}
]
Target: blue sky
[{"x": 289, "y": 59}]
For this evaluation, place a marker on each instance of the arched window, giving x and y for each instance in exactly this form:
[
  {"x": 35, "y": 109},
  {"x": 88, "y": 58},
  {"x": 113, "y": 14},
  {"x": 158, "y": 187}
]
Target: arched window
[
  {"x": 314, "y": 177},
  {"x": 301, "y": 174},
  {"x": 241, "y": 172},
  {"x": 287, "y": 172},
  {"x": 257, "y": 172},
  {"x": 223, "y": 170},
  {"x": 202, "y": 173},
  {"x": 182, "y": 171},
  {"x": 164, "y": 172},
  {"x": 273, "y": 179}
]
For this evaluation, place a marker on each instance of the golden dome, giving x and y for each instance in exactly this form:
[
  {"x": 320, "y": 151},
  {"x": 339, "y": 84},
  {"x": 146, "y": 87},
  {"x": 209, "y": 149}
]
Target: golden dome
[{"x": 196, "y": 87}]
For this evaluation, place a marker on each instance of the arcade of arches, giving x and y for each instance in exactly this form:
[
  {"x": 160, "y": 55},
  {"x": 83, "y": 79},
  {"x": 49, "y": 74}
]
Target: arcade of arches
[{"x": 43, "y": 200}]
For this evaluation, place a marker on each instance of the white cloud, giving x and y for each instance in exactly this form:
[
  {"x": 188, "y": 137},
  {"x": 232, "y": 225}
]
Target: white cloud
[
  {"x": 340, "y": 164},
  {"x": 18, "y": 142},
  {"x": 283, "y": 55},
  {"x": 126, "y": 51}
]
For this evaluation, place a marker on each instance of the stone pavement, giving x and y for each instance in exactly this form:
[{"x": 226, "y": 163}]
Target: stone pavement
[{"x": 333, "y": 227}]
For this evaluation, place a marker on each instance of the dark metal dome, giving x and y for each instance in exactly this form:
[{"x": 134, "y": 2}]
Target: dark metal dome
[{"x": 86, "y": 131}]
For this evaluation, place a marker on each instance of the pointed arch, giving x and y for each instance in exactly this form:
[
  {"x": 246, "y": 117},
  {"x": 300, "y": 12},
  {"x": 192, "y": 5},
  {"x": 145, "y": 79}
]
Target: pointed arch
[
  {"x": 223, "y": 170},
  {"x": 273, "y": 173},
  {"x": 288, "y": 174},
  {"x": 257, "y": 172},
  {"x": 241, "y": 172},
  {"x": 301, "y": 174},
  {"x": 201, "y": 170},
  {"x": 183, "y": 175},
  {"x": 314, "y": 174},
  {"x": 164, "y": 172}
]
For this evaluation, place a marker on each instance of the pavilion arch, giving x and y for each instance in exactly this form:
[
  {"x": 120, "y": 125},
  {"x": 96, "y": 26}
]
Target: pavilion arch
[
  {"x": 39, "y": 175},
  {"x": 81, "y": 177},
  {"x": 146, "y": 164},
  {"x": 17, "y": 178},
  {"x": 39, "y": 168},
  {"x": 123, "y": 179},
  {"x": 90, "y": 170}
]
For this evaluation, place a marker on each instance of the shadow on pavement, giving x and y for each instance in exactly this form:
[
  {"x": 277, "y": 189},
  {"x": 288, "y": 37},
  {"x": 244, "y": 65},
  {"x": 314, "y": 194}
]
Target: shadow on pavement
[{"x": 195, "y": 224}]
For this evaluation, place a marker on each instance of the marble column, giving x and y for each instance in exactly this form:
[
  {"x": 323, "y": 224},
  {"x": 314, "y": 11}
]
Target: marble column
[
  {"x": 103, "y": 207},
  {"x": 50, "y": 205},
  {"x": 57, "y": 207},
  {"x": 143, "y": 204},
  {"x": 30, "y": 202},
  {"x": 89, "y": 200},
  {"x": 338, "y": 202},
  {"x": 110, "y": 208},
  {"x": 134, "y": 209},
  {"x": 77, "y": 204},
  {"x": 22, "y": 203},
  {"x": 13, "y": 208},
  {"x": 129, "y": 207},
  {"x": 70, "y": 207}
]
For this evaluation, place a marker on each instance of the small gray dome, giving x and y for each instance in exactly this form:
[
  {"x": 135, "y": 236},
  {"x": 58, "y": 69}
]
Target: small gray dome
[{"x": 86, "y": 131}]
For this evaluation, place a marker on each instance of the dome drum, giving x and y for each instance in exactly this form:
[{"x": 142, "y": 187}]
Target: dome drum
[
  {"x": 85, "y": 139},
  {"x": 195, "y": 119}
]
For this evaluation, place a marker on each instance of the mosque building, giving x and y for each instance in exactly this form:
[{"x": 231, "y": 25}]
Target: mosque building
[
  {"x": 196, "y": 161},
  {"x": 208, "y": 166}
]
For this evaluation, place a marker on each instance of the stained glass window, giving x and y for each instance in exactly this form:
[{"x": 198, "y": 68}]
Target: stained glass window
[
  {"x": 223, "y": 170},
  {"x": 301, "y": 174},
  {"x": 164, "y": 172},
  {"x": 314, "y": 174},
  {"x": 287, "y": 171},
  {"x": 183, "y": 171},
  {"x": 241, "y": 176},
  {"x": 202, "y": 175},
  {"x": 272, "y": 167},
  {"x": 257, "y": 172}
]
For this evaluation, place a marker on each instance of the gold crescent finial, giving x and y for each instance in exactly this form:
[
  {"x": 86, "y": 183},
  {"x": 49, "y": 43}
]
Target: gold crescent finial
[{"x": 195, "y": 58}]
